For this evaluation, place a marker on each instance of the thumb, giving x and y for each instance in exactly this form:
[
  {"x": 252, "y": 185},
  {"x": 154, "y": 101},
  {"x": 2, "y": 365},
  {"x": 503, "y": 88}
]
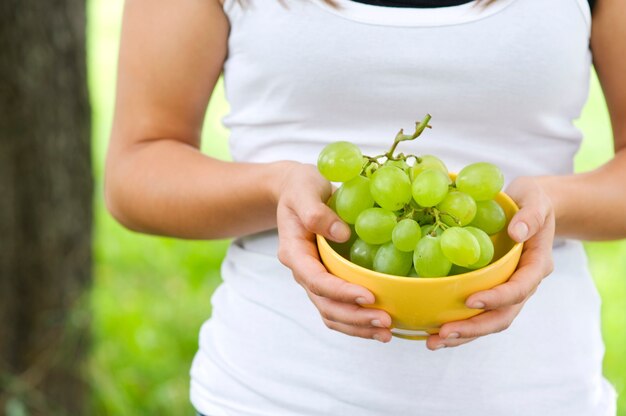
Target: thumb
[
  {"x": 535, "y": 209},
  {"x": 529, "y": 220},
  {"x": 318, "y": 218}
]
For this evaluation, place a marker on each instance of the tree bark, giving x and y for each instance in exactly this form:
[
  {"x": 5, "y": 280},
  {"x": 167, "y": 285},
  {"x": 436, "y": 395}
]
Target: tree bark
[{"x": 45, "y": 205}]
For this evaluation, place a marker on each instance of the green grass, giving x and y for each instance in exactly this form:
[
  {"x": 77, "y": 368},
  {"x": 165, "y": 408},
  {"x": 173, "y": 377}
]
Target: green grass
[{"x": 151, "y": 295}]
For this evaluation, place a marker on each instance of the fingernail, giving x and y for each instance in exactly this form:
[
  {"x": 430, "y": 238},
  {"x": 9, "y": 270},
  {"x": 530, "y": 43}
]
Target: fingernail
[
  {"x": 440, "y": 346},
  {"x": 340, "y": 232},
  {"x": 477, "y": 305},
  {"x": 361, "y": 300},
  {"x": 521, "y": 231},
  {"x": 378, "y": 338},
  {"x": 377, "y": 323},
  {"x": 453, "y": 335}
]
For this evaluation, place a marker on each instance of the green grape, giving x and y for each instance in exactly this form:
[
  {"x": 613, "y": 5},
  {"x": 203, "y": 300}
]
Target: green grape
[
  {"x": 490, "y": 217},
  {"x": 456, "y": 270},
  {"x": 459, "y": 205},
  {"x": 412, "y": 272},
  {"x": 390, "y": 260},
  {"x": 400, "y": 164},
  {"x": 460, "y": 246},
  {"x": 340, "y": 161},
  {"x": 429, "y": 260},
  {"x": 430, "y": 187},
  {"x": 486, "y": 247},
  {"x": 406, "y": 234},
  {"x": 391, "y": 188},
  {"x": 482, "y": 180},
  {"x": 427, "y": 162},
  {"x": 362, "y": 253},
  {"x": 428, "y": 229},
  {"x": 344, "y": 248},
  {"x": 375, "y": 225},
  {"x": 353, "y": 197}
]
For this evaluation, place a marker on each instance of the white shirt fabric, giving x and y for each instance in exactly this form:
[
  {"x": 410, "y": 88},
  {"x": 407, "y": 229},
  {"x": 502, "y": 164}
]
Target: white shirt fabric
[{"x": 503, "y": 84}]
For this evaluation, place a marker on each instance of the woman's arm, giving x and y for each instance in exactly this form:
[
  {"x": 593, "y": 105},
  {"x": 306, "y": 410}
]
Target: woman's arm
[
  {"x": 587, "y": 206},
  {"x": 157, "y": 181},
  {"x": 592, "y": 205}
]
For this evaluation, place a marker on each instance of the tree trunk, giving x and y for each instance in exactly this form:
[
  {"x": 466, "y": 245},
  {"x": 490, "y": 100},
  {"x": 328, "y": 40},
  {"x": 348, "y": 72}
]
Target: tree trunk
[{"x": 45, "y": 206}]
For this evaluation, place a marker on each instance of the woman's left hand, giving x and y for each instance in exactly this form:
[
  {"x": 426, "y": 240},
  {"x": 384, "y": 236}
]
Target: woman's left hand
[{"x": 534, "y": 225}]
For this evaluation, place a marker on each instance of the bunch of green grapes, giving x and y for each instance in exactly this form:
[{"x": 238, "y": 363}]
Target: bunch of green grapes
[{"x": 408, "y": 217}]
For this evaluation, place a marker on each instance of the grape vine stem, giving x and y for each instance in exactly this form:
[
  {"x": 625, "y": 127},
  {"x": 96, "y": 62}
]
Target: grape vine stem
[{"x": 401, "y": 137}]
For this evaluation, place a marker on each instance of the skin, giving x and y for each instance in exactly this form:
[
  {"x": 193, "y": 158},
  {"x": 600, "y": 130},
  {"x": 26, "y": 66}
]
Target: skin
[{"x": 158, "y": 182}]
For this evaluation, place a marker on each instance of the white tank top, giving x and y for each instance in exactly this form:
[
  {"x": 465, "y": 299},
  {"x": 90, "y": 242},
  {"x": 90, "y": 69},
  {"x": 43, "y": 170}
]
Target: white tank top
[{"x": 503, "y": 84}]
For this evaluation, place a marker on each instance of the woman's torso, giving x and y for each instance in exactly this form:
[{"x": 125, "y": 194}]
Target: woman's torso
[{"x": 503, "y": 85}]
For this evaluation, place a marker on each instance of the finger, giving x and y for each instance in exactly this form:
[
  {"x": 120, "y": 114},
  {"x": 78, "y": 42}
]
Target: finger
[
  {"x": 522, "y": 284},
  {"x": 535, "y": 208},
  {"x": 312, "y": 275},
  {"x": 535, "y": 264},
  {"x": 520, "y": 287},
  {"x": 435, "y": 342},
  {"x": 297, "y": 250},
  {"x": 350, "y": 314},
  {"x": 318, "y": 218},
  {"x": 453, "y": 333},
  {"x": 527, "y": 222},
  {"x": 379, "y": 334}
]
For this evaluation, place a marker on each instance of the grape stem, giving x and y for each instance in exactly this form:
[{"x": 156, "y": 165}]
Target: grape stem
[
  {"x": 373, "y": 162},
  {"x": 455, "y": 219},
  {"x": 370, "y": 168},
  {"x": 409, "y": 212},
  {"x": 438, "y": 223},
  {"x": 417, "y": 158},
  {"x": 401, "y": 137}
]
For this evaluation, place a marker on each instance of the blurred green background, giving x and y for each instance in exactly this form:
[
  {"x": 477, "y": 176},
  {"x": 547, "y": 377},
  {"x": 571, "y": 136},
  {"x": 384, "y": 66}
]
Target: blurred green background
[{"x": 151, "y": 295}]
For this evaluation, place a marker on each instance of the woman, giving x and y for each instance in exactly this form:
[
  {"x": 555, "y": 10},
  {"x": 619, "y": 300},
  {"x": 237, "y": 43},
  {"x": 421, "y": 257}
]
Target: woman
[{"x": 503, "y": 82}]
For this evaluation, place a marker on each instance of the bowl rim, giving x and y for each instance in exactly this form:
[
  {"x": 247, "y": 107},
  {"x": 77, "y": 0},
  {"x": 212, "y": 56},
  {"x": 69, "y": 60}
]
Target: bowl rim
[{"x": 517, "y": 247}]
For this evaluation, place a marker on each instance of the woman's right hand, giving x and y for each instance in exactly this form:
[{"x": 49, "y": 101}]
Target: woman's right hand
[{"x": 302, "y": 213}]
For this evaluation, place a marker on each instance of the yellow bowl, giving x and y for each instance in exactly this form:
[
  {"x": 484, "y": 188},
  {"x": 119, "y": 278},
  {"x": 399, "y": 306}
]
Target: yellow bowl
[{"x": 419, "y": 306}]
